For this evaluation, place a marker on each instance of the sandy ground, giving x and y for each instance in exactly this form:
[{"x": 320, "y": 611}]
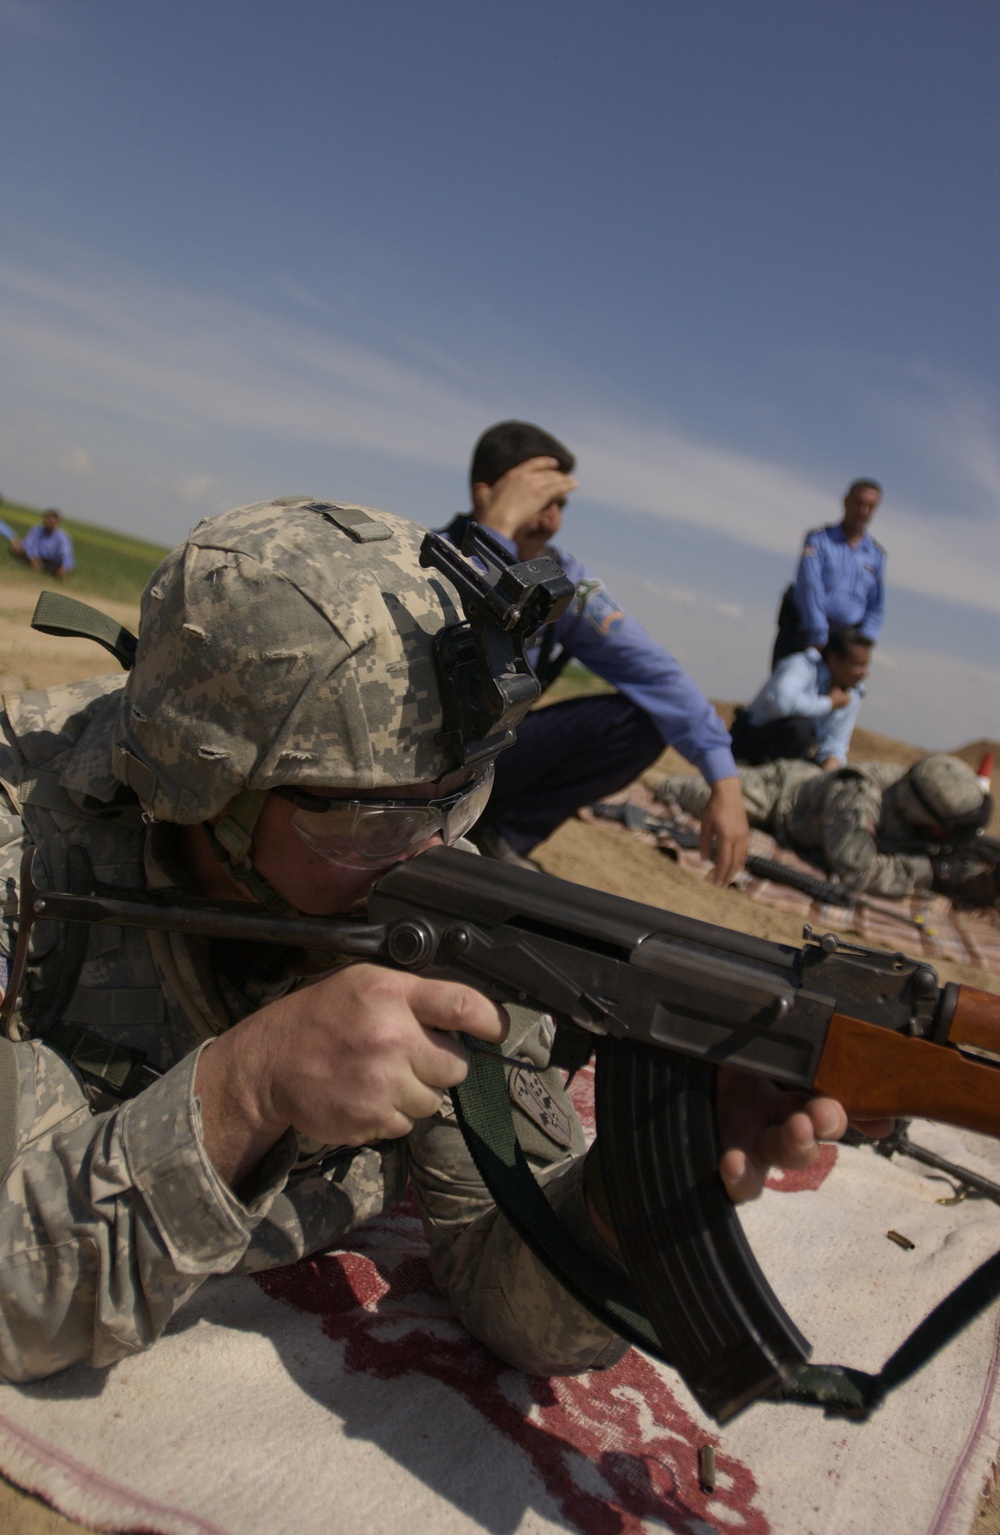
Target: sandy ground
[
  {"x": 594, "y": 854},
  {"x": 29, "y": 660}
]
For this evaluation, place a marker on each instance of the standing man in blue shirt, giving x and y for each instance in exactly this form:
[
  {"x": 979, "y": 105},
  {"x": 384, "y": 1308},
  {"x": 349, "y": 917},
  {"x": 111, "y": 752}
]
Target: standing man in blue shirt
[
  {"x": 808, "y": 705},
  {"x": 574, "y": 752},
  {"x": 46, "y": 547},
  {"x": 840, "y": 579}
]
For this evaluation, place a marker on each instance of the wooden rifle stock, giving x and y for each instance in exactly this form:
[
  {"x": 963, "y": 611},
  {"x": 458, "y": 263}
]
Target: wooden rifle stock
[{"x": 878, "y": 1074}]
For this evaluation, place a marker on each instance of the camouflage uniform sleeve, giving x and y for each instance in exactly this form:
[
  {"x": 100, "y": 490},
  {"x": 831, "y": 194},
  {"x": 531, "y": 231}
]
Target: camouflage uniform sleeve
[
  {"x": 850, "y": 825},
  {"x": 688, "y": 790},
  {"x": 495, "y": 1284},
  {"x": 108, "y": 1223}
]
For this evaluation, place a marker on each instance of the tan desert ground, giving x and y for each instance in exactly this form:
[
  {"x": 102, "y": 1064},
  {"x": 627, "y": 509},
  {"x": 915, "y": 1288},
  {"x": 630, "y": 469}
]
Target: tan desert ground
[{"x": 597, "y": 855}]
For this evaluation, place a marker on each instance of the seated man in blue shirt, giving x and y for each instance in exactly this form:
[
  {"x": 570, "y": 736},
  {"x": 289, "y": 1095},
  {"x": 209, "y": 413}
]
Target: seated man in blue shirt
[
  {"x": 840, "y": 579},
  {"x": 46, "y": 547},
  {"x": 574, "y": 752},
  {"x": 808, "y": 705}
]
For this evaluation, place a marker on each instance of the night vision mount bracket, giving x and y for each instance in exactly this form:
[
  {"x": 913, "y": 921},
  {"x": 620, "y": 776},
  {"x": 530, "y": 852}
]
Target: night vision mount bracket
[{"x": 487, "y": 683}]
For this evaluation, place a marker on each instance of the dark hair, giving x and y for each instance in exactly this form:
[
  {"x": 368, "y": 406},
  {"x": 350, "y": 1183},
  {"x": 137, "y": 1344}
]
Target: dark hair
[
  {"x": 51, "y": 511},
  {"x": 862, "y": 485},
  {"x": 843, "y": 638},
  {"x": 510, "y": 443}
]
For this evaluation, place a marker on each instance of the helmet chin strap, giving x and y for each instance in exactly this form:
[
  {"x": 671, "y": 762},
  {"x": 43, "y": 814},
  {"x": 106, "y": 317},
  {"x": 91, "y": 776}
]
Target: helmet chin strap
[{"x": 231, "y": 840}]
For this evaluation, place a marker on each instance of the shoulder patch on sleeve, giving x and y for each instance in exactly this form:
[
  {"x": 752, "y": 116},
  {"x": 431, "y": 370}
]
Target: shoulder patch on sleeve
[
  {"x": 596, "y": 604},
  {"x": 531, "y": 1097}
]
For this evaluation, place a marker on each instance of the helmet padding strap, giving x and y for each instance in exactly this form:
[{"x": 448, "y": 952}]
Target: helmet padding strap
[{"x": 231, "y": 839}]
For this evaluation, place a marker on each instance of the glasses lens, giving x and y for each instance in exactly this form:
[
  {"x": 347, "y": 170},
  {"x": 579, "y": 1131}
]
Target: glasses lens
[
  {"x": 364, "y": 834},
  {"x": 466, "y": 813}
]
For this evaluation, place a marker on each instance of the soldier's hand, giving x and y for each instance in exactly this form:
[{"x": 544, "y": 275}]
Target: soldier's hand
[
  {"x": 763, "y": 1126},
  {"x": 839, "y": 697},
  {"x": 359, "y": 1056},
  {"x": 523, "y": 494},
  {"x": 725, "y": 831}
]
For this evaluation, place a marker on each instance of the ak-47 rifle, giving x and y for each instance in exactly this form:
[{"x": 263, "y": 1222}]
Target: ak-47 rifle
[{"x": 668, "y": 1000}]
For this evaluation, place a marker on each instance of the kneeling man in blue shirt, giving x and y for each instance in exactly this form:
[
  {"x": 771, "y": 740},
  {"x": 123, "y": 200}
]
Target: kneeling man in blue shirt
[
  {"x": 46, "y": 547},
  {"x": 580, "y": 749},
  {"x": 808, "y": 705}
]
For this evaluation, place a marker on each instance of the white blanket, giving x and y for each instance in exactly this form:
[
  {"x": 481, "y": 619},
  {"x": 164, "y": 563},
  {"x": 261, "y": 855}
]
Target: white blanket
[{"x": 340, "y": 1397}]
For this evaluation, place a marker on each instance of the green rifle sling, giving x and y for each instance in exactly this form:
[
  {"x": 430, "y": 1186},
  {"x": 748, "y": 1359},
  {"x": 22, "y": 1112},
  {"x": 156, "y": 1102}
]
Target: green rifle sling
[{"x": 482, "y": 1107}]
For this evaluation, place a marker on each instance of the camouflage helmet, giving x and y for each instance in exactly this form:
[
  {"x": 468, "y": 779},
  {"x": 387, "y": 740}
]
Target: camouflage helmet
[
  {"x": 288, "y": 642},
  {"x": 941, "y": 791}
]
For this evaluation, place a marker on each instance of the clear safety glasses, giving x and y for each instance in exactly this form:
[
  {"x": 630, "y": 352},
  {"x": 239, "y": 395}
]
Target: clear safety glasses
[{"x": 368, "y": 834}]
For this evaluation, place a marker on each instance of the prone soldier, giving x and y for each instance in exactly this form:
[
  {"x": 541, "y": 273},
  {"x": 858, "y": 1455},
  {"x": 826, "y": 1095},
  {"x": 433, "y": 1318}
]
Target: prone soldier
[
  {"x": 882, "y": 831},
  {"x": 175, "y": 1108}
]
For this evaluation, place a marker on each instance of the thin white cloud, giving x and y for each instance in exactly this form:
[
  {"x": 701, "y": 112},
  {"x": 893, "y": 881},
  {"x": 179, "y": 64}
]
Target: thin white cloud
[
  {"x": 197, "y": 487},
  {"x": 77, "y": 461},
  {"x": 681, "y": 480},
  {"x": 167, "y": 357},
  {"x": 914, "y": 693},
  {"x": 131, "y": 350},
  {"x": 944, "y": 419}
]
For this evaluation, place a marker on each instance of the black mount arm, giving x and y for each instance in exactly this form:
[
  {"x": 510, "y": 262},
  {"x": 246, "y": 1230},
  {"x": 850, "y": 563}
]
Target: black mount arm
[{"x": 487, "y": 684}]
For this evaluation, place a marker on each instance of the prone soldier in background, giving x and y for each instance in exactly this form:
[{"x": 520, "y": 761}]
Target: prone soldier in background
[
  {"x": 279, "y": 740},
  {"x": 879, "y": 829}
]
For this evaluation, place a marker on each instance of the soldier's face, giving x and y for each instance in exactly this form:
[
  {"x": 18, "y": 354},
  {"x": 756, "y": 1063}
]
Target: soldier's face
[{"x": 318, "y": 885}]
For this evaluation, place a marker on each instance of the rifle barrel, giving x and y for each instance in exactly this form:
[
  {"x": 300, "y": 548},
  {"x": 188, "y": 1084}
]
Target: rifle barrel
[{"x": 208, "y": 919}]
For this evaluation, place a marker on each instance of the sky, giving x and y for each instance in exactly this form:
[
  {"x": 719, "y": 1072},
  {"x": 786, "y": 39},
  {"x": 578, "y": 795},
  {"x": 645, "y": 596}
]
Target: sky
[{"x": 734, "y": 253}]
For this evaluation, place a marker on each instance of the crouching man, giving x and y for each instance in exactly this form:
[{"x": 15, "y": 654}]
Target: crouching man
[
  {"x": 278, "y": 741},
  {"x": 808, "y": 706}
]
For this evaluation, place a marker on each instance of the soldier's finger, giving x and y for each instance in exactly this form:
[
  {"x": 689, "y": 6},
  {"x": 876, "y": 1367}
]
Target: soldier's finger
[
  {"x": 827, "y": 1118},
  {"x": 439, "y": 1059},
  {"x": 742, "y": 1178},
  {"x": 450, "y": 1006},
  {"x": 419, "y": 1100}
]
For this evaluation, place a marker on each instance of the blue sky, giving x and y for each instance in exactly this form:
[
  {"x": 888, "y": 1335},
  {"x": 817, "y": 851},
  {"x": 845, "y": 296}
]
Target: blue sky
[{"x": 734, "y": 252}]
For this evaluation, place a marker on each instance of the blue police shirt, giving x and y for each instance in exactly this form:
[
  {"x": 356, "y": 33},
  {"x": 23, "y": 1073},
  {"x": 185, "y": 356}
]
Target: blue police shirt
[
  {"x": 838, "y": 584},
  {"x": 800, "y": 685},
  {"x": 596, "y": 630},
  {"x": 53, "y": 547}
]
